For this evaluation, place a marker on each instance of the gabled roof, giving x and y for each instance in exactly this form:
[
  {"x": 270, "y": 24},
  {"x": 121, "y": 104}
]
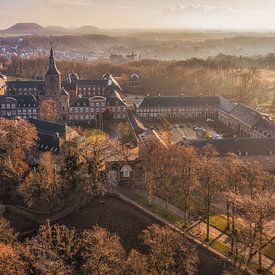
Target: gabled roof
[
  {"x": 135, "y": 122},
  {"x": 96, "y": 82},
  {"x": 226, "y": 105},
  {"x": 22, "y": 100},
  {"x": 178, "y": 101},
  {"x": 48, "y": 127},
  {"x": 239, "y": 146},
  {"x": 115, "y": 99},
  {"x": 68, "y": 85},
  {"x": 246, "y": 114}
]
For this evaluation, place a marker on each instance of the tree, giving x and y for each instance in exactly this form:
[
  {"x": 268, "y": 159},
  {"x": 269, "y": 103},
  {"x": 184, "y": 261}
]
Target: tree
[
  {"x": 186, "y": 162},
  {"x": 235, "y": 181},
  {"x": 166, "y": 170},
  {"x": 97, "y": 151},
  {"x": 10, "y": 261},
  {"x": 71, "y": 166},
  {"x": 54, "y": 249},
  {"x": 257, "y": 211},
  {"x": 42, "y": 188},
  {"x": 150, "y": 151},
  {"x": 136, "y": 263},
  {"x": 47, "y": 110},
  {"x": 7, "y": 233},
  {"x": 107, "y": 115},
  {"x": 126, "y": 134},
  {"x": 209, "y": 179},
  {"x": 168, "y": 251},
  {"x": 17, "y": 139},
  {"x": 102, "y": 252}
]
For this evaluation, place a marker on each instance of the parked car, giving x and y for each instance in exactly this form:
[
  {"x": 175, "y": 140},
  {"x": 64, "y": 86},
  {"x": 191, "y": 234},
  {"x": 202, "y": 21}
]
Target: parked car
[
  {"x": 209, "y": 120},
  {"x": 197, "y": 129},
  {"x": 217, "y": 137}
]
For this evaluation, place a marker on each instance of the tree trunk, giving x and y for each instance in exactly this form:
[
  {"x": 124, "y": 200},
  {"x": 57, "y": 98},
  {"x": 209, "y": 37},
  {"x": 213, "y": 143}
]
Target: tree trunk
[
  {"x": 227, "y": 215},
  {"x": 233, "y": 228},
  {"x": 207, "y": 227},
  {"x": 260, "y": 252}
]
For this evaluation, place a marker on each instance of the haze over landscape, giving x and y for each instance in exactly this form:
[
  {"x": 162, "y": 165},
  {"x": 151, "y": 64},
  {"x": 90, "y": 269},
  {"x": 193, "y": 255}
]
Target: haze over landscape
[{"x": 178, "y": 14}]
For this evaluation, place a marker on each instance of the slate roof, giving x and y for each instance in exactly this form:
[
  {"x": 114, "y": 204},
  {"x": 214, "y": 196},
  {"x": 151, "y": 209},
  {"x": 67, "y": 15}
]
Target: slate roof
[
  {"x": 48, "y": 127},
  {"x": 178, "y": 101},
  {"x": 115, "y": 99},
  {"x": 96, "y": 82},
  {"x": 47, "y": 142},
  {"x": 28, "y": 101},
  {"x": 226, "y": 105},
  {"x": 68, "y": 85},
  {"x": 239, "y": 146},
  {"x": 246, "y": 114},
  {"x": 135, "y": 122},
  {"x": 266, "y": 127},
  {"x": 15, "y": 85},
  {"x": 52, "y": 69}
]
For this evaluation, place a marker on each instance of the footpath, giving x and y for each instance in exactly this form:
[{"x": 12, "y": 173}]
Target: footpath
[{"x": 216, "y": 235}]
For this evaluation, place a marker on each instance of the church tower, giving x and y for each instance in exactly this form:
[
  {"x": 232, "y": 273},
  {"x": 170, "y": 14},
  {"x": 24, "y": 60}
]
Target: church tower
[{"x": 53, "y": 78}]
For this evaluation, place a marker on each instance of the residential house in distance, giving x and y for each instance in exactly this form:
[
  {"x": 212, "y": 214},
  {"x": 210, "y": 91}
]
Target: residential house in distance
[{"x": 134, "y": 82}]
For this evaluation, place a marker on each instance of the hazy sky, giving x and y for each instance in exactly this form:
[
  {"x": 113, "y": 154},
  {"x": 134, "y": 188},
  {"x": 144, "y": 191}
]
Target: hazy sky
[{"x": 213, "y": 14}]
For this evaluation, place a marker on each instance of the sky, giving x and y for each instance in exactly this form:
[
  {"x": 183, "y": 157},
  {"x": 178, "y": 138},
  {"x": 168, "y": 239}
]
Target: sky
[{"x": 179, "y": 14}]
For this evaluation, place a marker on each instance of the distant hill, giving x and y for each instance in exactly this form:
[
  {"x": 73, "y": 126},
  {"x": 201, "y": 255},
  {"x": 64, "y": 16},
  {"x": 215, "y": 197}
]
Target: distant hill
[
  {"x": 34, "y": 28},
  {"x": 87, "y": 30},
  {"x": 24, "y": 28},
  {"x": 57, "y": 29}
]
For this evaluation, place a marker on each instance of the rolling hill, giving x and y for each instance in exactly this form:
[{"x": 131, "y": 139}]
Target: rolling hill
[{"x": 34, "y": 28}]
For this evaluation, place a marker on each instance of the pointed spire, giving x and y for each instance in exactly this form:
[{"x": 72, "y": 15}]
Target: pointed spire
[
  {"x": 52, "y": 70},
  {"x": 51, "y": 52}
]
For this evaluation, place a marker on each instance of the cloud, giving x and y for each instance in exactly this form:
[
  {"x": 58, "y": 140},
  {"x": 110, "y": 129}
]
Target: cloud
[
  {"x": 198, "y": 9},
  {"x": 71, "y": 2}
]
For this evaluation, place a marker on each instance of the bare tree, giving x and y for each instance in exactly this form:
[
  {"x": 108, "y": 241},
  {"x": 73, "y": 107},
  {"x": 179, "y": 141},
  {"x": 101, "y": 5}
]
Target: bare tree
[
  {"x": 209, "y": 180},
  {"x": 169, "y": 251},
  {"x": 48, "y": 110},
  {"x": 186, "y": 162},
  {"x": 102, "y": 252}
]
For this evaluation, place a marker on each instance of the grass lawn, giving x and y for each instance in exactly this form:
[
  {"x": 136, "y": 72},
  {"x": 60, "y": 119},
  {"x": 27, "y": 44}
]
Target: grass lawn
[
  {"x": 158, "y": 210},
  {"x": 218, "y": 221},
  {"x": 217, "y": 245}
]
